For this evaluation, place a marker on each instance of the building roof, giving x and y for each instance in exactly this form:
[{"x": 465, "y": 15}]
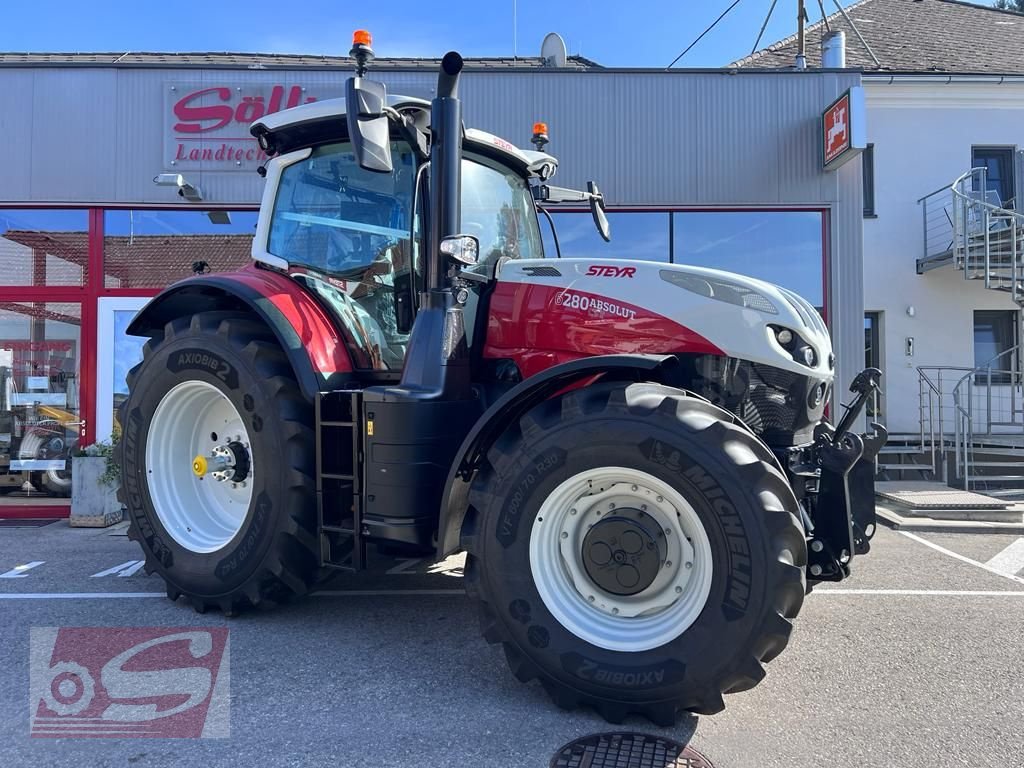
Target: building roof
[
  {"x": 913, "y": 36},
  {"x": 213, "y": 60}
]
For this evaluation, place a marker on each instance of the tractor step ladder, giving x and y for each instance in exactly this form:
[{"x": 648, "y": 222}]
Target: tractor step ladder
[{"x": 339, "y": 448}]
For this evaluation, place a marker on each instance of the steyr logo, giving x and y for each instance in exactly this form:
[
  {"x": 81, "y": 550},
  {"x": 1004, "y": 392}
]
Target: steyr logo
[
  {"x": 604, "y": 270},
  {"x": 116, "y": 682}
]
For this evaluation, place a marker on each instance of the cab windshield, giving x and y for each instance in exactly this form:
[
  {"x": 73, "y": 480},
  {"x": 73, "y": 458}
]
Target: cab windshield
[{"x": 497, "y": 209}]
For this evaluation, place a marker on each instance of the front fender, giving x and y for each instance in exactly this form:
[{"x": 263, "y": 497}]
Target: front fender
[
  {"x": 507, "y": 410},
  {"x": 314, "y": 346}
]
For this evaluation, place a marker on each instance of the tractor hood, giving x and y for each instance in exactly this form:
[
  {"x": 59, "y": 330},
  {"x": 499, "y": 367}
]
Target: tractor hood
[{"x": 692, "y": 309}]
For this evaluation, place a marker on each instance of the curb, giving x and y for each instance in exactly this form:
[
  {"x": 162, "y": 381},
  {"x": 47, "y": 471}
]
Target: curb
[{"x": 897, "y": 522}]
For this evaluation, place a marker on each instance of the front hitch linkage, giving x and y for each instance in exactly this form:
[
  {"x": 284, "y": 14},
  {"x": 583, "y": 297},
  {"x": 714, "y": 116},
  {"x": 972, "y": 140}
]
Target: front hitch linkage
[{"x": 844, "y": 516}]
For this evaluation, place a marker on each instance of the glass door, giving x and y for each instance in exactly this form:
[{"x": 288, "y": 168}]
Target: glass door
[{"x": 117, "y": 354}]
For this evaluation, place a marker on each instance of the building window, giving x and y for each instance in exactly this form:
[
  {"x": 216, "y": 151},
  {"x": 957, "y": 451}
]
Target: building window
[
  {"x": 781, "y": 247},
  {"x": 995, "y": 335},
  {"x": 40, "y": 248},
  {"x": 998, "y": 164},
  {"x": 873, "y": 355},
  {"x": 636, "y": 235},
  {"x": 154, "y": 248},
  {"x": 868, "y": 174},
  {"x": 40, "y": 411}
]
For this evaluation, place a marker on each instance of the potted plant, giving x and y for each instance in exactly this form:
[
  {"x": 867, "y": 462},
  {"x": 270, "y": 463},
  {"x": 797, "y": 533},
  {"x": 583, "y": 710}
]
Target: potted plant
[{"x": 95, "y": 477}]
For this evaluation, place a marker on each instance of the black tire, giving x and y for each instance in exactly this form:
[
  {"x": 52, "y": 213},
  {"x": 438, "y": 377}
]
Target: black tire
[
  {"x": 273, "y": 557},
  {"x": 663, "y": 432}
]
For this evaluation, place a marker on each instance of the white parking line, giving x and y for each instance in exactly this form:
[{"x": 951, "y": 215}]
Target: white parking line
[
  {"x": 961, "y": 558},
  {"x": 456, "y": 592},
  {"x": 376, "y": 592},
  {"x": 18, "y": 571},
  {"x": 922, "y": 592},
  {"x": 1010, "y": 560},
  {"x": 77, "y": 595},
  {"x": 132, "y": 595}
]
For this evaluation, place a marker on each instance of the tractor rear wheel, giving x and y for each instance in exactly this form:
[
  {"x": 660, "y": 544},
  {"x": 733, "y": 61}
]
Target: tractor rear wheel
[
  {"x": 218, "y": 466},
  {"x": 635, "y": 549}
]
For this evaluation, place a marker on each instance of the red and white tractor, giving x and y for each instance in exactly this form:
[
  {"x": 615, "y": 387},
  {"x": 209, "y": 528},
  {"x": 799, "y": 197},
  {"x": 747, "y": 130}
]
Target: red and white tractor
[{"x": 633, "y": 455}]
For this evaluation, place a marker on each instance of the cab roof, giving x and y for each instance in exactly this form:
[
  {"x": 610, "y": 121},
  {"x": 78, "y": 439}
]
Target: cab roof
[{"x": 318, "y": 123}]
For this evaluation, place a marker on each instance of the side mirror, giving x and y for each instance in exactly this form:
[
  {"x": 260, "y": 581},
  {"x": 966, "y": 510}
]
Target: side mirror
[
  {"x": 597, "y": 211},
  {"x": 368, "y": 128}
]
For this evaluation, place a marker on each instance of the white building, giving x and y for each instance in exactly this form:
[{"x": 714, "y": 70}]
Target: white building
[{"x": 944, "y": 88}]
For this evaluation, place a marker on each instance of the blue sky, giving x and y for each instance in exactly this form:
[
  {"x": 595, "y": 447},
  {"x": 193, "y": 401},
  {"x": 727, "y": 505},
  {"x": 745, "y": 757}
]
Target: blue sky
[{"x": 647, "y": 33}]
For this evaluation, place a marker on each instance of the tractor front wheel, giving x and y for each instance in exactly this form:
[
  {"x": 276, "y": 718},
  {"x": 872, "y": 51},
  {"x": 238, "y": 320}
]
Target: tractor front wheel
[
  {"x": 218, "y": 466},
  {"x": 636, "y": 550}
]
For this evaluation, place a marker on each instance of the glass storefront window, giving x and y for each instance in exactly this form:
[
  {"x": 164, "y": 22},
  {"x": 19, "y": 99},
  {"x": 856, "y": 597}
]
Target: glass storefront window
[
  {"x": 39, "y": 397},
  {"x": 635, "y": 235},
  {"x": 43, "y": 247},
  {"x": 782, "y": 247},
  {"x": 154, "y": 248}
]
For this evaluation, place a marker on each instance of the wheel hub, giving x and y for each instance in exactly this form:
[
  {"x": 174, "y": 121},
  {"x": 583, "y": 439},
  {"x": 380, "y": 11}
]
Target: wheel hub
[
  {"x": 620, "y": 558},
  {"x": 229, "y": 462},
  {"x": 622, "y": 554}
]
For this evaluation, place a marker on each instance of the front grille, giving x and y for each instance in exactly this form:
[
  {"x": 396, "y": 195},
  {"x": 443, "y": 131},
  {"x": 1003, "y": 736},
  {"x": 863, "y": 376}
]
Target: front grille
[
  {"x": 770, "y": 405},
  {"x": 773, "y": 402}
]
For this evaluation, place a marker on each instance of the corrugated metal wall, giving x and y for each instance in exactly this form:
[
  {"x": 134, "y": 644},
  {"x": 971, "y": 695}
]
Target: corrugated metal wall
[{"x": 86, "y": 135}]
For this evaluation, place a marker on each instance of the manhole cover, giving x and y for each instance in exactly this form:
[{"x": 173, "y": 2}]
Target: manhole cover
[
  {"x": 25, "y": 523},
  {"x": 627, "y": 750}
]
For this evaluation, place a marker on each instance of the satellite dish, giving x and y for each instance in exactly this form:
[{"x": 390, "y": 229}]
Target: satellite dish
[{"x": 553, "y": 51}]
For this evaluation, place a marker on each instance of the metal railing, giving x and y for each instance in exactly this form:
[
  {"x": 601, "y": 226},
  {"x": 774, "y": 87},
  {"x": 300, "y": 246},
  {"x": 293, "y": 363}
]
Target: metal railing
[
  {"x": 967, "y": 224},
  {"x": 937, "y": 411},
  {"x": 989, "y": 402},
  {"x": 961, "y": 407},
  {"x": 937, "y": 218}
]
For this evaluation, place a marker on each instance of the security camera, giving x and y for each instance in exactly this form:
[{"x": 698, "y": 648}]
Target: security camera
[{"x": 186, "y": 190}]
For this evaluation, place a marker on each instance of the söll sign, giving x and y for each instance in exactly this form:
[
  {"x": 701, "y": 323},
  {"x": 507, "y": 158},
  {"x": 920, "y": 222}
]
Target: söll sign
[{"x": 207, "y": 126}]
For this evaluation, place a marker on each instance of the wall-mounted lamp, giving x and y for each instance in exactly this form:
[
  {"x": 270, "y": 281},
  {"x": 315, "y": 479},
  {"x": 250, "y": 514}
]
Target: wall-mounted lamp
[{"x": 911, "y": 311}]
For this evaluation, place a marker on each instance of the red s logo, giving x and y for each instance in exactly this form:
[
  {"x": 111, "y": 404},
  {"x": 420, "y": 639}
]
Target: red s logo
[{"x": 191, "y": 116}]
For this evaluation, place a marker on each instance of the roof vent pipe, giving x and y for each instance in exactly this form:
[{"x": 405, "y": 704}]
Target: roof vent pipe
[{"x": 833, "y": 50}]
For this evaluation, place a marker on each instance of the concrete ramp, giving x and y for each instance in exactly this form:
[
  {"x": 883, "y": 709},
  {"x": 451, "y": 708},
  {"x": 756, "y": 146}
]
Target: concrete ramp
[{"x": 931, "y": 496}]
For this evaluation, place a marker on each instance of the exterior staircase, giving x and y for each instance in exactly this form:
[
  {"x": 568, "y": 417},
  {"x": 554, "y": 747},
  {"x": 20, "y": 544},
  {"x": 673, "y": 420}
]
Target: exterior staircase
[
  {"x": 967, "y": 225},
  {"x": 971, "y": 418}
]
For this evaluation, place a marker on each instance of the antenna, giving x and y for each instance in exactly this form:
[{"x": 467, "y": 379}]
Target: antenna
[
  {"x": 515, "y": 31},
  {"x": 801, "y": 17}
]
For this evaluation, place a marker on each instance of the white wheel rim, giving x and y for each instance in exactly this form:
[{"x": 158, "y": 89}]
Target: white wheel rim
[
  {"x": 203, "y": 513},
  {"x": 649, "y": 619}
]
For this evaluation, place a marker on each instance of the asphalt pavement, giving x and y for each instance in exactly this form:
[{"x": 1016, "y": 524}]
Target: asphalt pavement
[{"x": 914, "y": 662}]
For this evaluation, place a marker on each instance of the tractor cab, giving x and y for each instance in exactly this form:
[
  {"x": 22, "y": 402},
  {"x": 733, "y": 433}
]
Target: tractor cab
[
  {"x": 348, "y": 217},
  {"x": 356, "y": 237}
]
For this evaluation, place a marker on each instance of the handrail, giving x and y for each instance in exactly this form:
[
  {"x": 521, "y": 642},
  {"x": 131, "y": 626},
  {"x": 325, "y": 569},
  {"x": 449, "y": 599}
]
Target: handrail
[
  {"x": 976, "y": 201},
  {"x": 943, "y": 188},
  {"x": 965, "y": 425},
  {"x": 985, "y": 367}
]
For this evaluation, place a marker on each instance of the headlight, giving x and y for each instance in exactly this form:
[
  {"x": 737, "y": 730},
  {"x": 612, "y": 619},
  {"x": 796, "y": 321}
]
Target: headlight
[
  {"x": 784, "y": 335},
  {"x": 720, "y": 290},
  {"x": 809, "y": 357}
]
